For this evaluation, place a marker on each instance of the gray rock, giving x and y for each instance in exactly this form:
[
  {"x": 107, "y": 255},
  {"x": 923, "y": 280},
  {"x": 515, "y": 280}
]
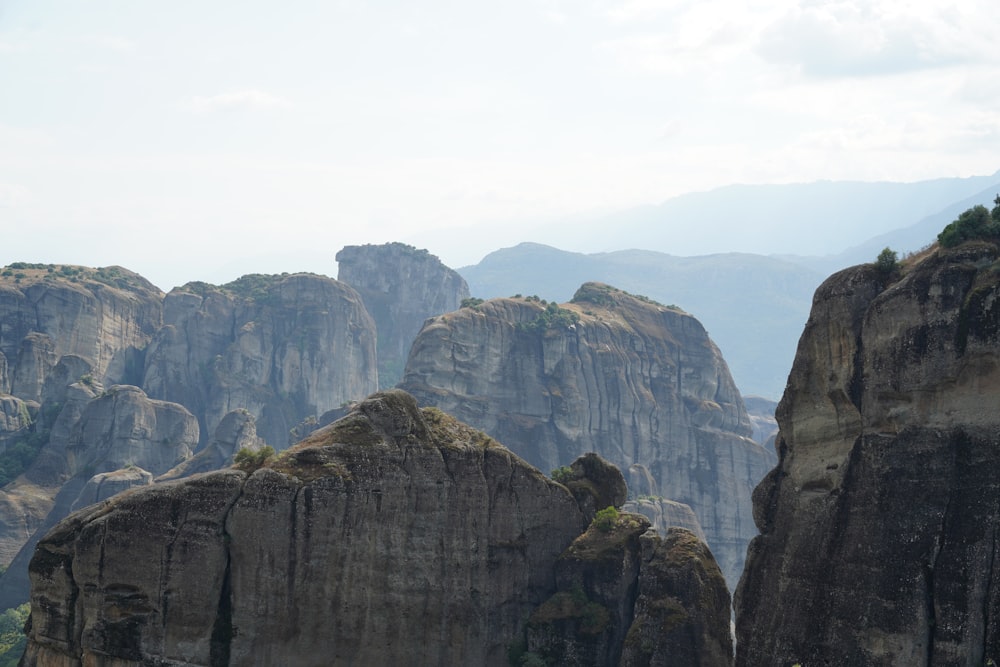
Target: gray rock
[
  {"x": 107, "y": 484},
  {"x": 878, "y": 526},
  {"x": 282, "y": 347},
  {"x": 633, "y": 381},
  {"x": 401, "y": 287},
  {"x": 364, "y": 544},
  {"x": 236, "y": 431}
]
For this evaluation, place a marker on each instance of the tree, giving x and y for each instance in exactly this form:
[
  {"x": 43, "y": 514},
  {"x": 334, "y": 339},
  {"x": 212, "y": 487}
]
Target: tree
[
  {"x": 975, "y": 223},
  {"x": 887, "y": 261}
]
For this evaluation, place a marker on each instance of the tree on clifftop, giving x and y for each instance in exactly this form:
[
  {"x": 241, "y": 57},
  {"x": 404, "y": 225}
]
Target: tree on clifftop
[{"x": 975, "y": 223}]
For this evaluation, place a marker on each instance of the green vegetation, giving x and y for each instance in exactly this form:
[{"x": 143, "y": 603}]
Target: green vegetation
[
  {"x": 604, "y": 295},
  {"x": 573, "y": 604},
  {"x": 605, "y": 519},
  {"x": 887, "y": 262},
  {"x": 562, "y": 474},
  {"x": 12, "y": 638},
  {"x": 255, "y": 286},
  {"x": 113, "y": 276},
  {"x": 975, "y": 223},
  {"x": 553, "y": 317},
  {"x": 471, "y": 302},
  {"x": 249, "y": 460},
  {"x": 23, "y": 451}
]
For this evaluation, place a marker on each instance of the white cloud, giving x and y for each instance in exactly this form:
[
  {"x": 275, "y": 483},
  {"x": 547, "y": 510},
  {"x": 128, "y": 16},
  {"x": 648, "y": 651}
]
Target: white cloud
[
  {"x": 847, "y": 38},
  {"x": 234, "y": 101}
]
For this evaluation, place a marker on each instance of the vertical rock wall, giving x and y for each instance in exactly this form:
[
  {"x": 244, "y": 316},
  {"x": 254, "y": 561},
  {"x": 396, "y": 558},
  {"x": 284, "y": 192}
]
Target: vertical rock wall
[
  {"x": 879, "y": 525},
  {"x": 401, "y": 287},
  {"x": 634, "y": 381}
]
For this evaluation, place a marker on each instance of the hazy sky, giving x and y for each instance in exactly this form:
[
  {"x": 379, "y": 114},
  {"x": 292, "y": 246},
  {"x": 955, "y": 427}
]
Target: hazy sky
[{"x": 202, "y": 140}]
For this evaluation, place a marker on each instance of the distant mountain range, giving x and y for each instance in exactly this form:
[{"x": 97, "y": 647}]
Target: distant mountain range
[{"x": 754, "y": 305}]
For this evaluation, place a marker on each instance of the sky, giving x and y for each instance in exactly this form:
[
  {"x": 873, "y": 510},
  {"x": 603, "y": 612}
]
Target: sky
[{"x": 204, "y": 140}]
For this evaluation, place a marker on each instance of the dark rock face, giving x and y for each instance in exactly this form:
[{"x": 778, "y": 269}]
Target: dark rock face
[
  {"x": 401, "y": 287},
  {"x": 627, "y": 597},
  {"x": 396, "y": 535},
  {"x": 282, "y": 347},
  {"x": 878, "y": 527},
  {"x": 633, "y": 381}
]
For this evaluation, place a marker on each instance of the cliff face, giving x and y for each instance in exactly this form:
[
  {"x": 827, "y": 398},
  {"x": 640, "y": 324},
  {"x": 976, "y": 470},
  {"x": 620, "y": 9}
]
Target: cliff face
[
  {"x": 103, "y": 316},
  {"x": 634, "y": 381},
  {"x": 401, "y": 287},
  {"x": 879, "y": 524},
  {"x": 394, "y": 536},
  {"x": 99, "y": 372},
  {"x": 282, "y": 347},
  {"x": 120, "y": 429},
  {"x": 628, "y": 597}
]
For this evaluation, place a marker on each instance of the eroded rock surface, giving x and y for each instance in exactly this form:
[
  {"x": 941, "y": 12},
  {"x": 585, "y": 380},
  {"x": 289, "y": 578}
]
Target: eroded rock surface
[
  {"x": 628, "y": 597},
  {"x": 396, "y": 535},
  {"x": 611, "y": 373},
  {"x": 401, "y": 287},
  {"x": 104, "y": 316},
  {"x": 879, "y": 525},
  {"x": 282, "y": 347}
]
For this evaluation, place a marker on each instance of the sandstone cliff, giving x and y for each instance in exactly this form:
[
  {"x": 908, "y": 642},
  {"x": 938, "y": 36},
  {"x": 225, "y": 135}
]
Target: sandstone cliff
[
  {"x": 106, "y": 431},
  {"x": 282, "y": 347},
  {"x": 879, "y": 525},
  {"x": 401, "y": 287},
  {"x": 634, "y": 381},
  {"x": 393, "y": 536},
  {"x": 104, "y": 316}
]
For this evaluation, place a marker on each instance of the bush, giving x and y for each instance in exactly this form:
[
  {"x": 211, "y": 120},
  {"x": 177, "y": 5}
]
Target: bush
[
  {"x": 553, "y": 317},
  {"x": 250, "y": 459},
  {"x": 975, "y": 223},
  {"x": 471, "y": 302},
  {"x": 605, "y": 519},
  {"x": 562, "y": 474},
  {"x": 12, "y": 639}
]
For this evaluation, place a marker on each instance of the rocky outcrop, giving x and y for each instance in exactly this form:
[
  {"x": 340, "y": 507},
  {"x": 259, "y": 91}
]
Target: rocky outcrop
[
  {"x": 282, "y": 347},
  {"x": 401, "y": 287},
  {"x": 682, "y": 612},
  {"x": 106, "y": 484},
  {"x": 120, "y": 429},
  {"x": 611, "y": 373},
  {"x": 627, "y": 597},
  {"x": 879, "y": 525},
  {"x": 104, "y": 316},
  {"x": 124, "y": 427},
  {"x": 396, "y": 535},
  {"x": 665, "y": 514},
  {"x": 16, "y": 418},
  {"x": 761, "y": 411},
  {"x": 236, "y": 431}
]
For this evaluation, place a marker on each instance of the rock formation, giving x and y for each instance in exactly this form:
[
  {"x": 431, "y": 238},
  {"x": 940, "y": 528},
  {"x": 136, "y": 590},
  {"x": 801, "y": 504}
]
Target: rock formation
[
  {"x": 765, "y": 426},
  {"x": 16, "y": 418},
  {"x": 120, "y": 429},
  {"x": 625, "y": 598},
  {"x": 879, "y": 525},
  {"x": 106, "y": 484},
  {"x": 396, "y": 535},
  {"x": 282, "y": 347},
  {"x": 401, "y": 287},
  {"x": 104, "y": 316},
  {"x": 611, "y": 373},
  {"x": 236, "y": 431}
]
